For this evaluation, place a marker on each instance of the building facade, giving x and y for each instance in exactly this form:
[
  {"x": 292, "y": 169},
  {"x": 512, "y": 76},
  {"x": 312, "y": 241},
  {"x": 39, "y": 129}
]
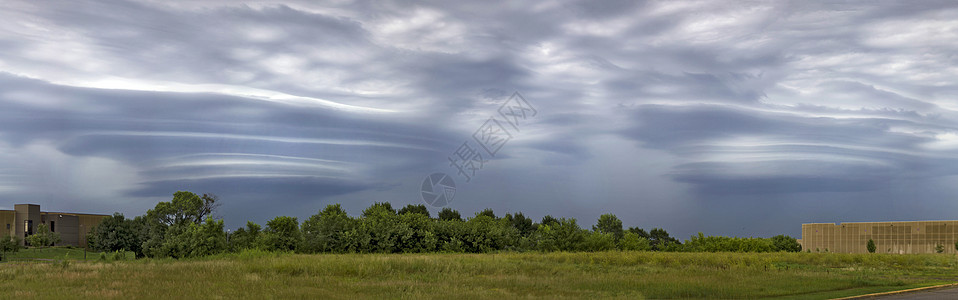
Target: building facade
[
  {"x": 23, "y": 220},
  {"x": 889, "y": 237}
]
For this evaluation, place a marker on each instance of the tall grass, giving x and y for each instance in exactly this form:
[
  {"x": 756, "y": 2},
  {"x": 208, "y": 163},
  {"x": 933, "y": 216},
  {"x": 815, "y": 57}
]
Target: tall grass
[{"x": 632, "y": 275}]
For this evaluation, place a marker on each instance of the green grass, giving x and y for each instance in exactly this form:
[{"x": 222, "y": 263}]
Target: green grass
[
  {"x": 628, "y": 275},
  {"x": 59, "y": 253}
]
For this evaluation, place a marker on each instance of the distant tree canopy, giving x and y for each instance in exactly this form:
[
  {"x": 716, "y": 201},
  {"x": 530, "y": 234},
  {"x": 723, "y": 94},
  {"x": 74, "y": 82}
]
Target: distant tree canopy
[
  {"x": 186, "y": 227},
  {"x": 415, "y": 209},
  {"x": 447, "y": 214},
  {"x": 9, "y": 244},
  {"x": 609, "y": 223},
  {"x": 117, "y": 233}
]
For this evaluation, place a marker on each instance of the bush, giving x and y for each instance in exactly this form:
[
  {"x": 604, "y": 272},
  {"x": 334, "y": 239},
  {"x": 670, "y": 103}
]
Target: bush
[
  {"x": 281, "y": 233},
  {"x": 702, "y": 243},
  {"x": 9, "y": 244},
  {"x": 597, "y": 241},
  {"x": 561, "y": 235},
  {"x": 633, "y": 242}
]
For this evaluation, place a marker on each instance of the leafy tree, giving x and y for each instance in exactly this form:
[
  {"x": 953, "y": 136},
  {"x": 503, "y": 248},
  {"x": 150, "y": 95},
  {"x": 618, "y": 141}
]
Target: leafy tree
[
  {"x": 702, "y": 243},
  {"x": 521, "y": 223},
  {"x": 116, "y": 233},
  {"x": 379, "y": 206},
  {"x": 597, "y": 241},
  {"x": 633, "y": 242},
  {"x": 559, "y": 235},
  {"x": 609, "y": 223},
  {"x": 487, "y": 212},
  {"x": 207, "y": 238},
  {"x": 415, "y": 209},
  {"x": 281, "y": 233},
  {"x": 939, "y": 248},
  {"x": 870, "y": 246},
  {"x": 327, "y": 230},
  {"x": 549, "y": 220},
  {"x": 210, "y": 203},
  {"x": 786, "y": 243},
  {"x": 485, "y": 233},
  {"x": 416, "y": 233},
  {"x": 186, "y": 208},
  {"x": 661, "y": 240},
  {"x": 447, "y": 214},
  {"x": 450, "y": 235},
  {"x": 640, "y": 232},
  {"x": 244, "y": 238},
  {"x": 9, "y": 244},
  {"x": 43, "y": 237}
]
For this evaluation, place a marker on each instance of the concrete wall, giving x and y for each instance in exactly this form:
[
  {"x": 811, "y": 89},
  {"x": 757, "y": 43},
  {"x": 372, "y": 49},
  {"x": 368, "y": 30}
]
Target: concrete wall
[
  {"x": 26, "y": 212},
  {"x": 66, "y": 225},
  {"x": 889, "y": 237},
  {"x": 87, "y": 222},
  {"x": 8, "y": 220},
  {"x": 72, "y": 227}
]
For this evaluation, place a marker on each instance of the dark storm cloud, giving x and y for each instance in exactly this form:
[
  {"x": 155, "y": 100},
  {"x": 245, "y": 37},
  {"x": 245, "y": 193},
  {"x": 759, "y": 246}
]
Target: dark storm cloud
[{"x": 295, "y": 104}]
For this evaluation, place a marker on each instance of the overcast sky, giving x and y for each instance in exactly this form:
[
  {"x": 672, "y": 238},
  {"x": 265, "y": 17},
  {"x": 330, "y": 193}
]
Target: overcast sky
[{"x": 729, "y": 118}]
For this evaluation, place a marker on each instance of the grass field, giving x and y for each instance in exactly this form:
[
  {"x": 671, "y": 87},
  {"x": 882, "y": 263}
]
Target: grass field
[
  {"x": 627, "y": 275},
  {"x": 59, "y": 253}
]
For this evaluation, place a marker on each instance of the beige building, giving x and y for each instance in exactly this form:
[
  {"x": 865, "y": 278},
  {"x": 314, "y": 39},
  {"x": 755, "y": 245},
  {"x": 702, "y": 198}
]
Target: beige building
[
  {"x": 24, "y": 219},
  {"x": 889, "y": 237}
]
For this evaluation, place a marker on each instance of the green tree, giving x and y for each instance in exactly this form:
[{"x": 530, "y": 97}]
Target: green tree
[
  {"x": 415, "y": 209},
  {"x": 116, "y": 233},
  {"x": 281, "y": 233},
  {"x": 633, "y": 242},
  {"x": 549, "y": 220},
  {"x": 43, "y": 237},
  {"x": 562, "y": 234},
  {"x": 661, "y": 240},
  {"x": 609, "y": 223},
  {"x": 185, "y": 208},
  {"x": 450, "y": 235},
  {"x": 9, "y": 244},
  {"x": 244, "y": 238},
  {"x": 786, "y": 243},
  {"x": 379, "y": 207},
  {"x": 484, "y": 233},
  {"x": 640, "y": 232},
  {"x": 521, "y": 223},
  {"x": 939, "y": 248},
  {"x": 417, "y": 233},
  {"x": 447, "y": 214},
  {"x": 597, "y": 241},
  {"x": 870, "y": 246},
  {"x": 487, "y": 212},
  {"x": 327, "y": 230}
]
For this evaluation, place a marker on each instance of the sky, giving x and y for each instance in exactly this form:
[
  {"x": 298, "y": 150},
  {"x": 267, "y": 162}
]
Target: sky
[{"x": 733, "y": 118}]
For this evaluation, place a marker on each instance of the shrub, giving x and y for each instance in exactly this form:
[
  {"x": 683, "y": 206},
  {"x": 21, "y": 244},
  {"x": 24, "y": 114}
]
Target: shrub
[{"x": 633, "y": 242}]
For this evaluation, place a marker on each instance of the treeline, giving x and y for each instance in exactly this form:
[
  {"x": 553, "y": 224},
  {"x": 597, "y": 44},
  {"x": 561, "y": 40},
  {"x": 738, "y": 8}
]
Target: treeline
[{"x": 185, "y": 227}]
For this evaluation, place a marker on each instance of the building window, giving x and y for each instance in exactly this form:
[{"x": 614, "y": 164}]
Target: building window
[
  {"x": 52, "y": 227},
  {"x": 8, "y": 226},
  {"x": 27, "y": 227}
]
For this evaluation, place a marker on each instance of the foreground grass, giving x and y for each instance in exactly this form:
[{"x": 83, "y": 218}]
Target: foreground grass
[
  {"x": 59, "y": 253},
  {"x": 473, "y": 276}
]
